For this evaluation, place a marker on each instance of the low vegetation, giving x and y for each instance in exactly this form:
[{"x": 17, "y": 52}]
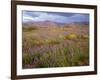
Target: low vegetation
[{"x": 44, "y": 48}]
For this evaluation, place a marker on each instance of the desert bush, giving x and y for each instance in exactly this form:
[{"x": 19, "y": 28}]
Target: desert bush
[
  {"x": 62, "y": 37},
  {"x": 52, "y": 41},
  {"x": 71, "y": 36}
]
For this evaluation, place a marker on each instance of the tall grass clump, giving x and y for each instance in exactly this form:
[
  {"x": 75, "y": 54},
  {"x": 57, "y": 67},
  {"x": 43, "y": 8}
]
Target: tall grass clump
[
  {"x": 27, "y": 58},
  {"x": 80, "y": 57},
  {"x": 62, "y": 56},
  {"x": 54, "y": 59}
]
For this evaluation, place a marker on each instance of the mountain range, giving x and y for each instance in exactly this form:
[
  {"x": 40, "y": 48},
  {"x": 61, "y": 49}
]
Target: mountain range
[{"x": 54, "y": 24}]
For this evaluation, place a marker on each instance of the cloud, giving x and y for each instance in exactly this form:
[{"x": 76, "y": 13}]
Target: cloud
[
  {"x": 27, "y": 18},
  {"x": 55, "y": 17},
  {"x": 43, "y": 16},
  {"x": 80, "y": 17}
]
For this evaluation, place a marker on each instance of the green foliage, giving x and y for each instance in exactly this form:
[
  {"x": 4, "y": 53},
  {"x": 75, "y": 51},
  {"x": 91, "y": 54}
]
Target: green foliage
[
  {"x": 62, "y": 50},
  {"x": 79, "y": 57},
  {"x": 61, "y": 57},
  {"x": 62, "y": 37},
  {"x": 71, "y": 36},
  {"x": 27, "y": 58},
  {"x": 52, "y": 41}
]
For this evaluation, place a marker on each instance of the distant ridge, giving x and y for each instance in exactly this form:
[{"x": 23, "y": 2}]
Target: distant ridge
[{"x": 54, "y": 24}]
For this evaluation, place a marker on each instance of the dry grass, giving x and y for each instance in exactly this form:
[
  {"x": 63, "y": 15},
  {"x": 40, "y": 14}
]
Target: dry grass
[{"x": 54, "y": 47}]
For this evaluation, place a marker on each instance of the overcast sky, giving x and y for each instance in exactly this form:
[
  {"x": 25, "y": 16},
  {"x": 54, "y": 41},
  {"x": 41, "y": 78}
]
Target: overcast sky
[{"x": 59, "y": 17}]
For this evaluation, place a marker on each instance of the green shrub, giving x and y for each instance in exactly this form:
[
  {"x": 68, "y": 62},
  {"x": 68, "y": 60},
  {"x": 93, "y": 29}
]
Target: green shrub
[
  {"x": 79, "y": 58},
  {"x": 27, "y": 58},
  {"x": 52, "y": 41},
  {"x": 64, "y": 55},
  {"x": 62, "y": 37},
  {"x": 71, "y": 36}
]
